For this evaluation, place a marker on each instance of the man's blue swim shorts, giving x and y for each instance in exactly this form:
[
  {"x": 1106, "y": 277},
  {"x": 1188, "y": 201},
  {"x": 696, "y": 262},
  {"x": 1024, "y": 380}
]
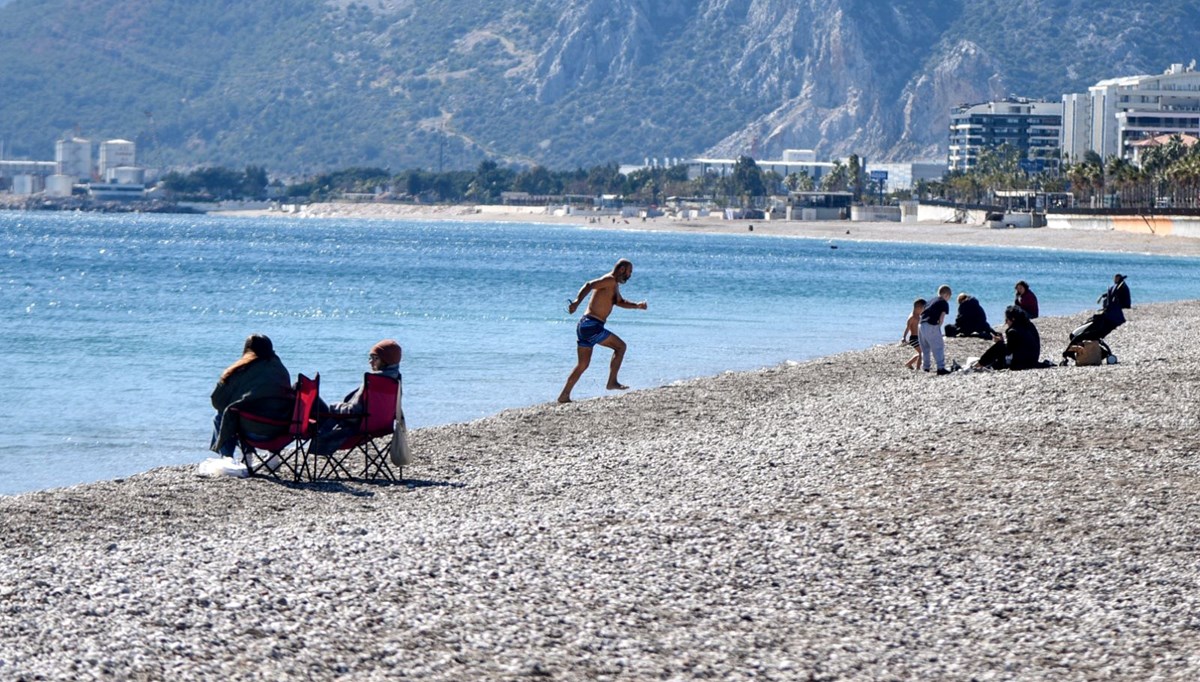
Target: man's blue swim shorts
[{"x": 590, "y": 331}]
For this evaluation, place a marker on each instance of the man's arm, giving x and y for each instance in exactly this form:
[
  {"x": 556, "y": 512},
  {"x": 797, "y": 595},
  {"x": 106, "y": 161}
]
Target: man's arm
[
  {"x": 622, "y": 303},
  {"x": 572, "y": 306}
]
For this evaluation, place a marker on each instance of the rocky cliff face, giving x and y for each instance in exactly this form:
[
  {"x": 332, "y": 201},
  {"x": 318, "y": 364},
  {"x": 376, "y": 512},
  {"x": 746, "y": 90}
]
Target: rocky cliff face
[
  {"x": 843, "y": 76},
  {"x": 310, "y": 84},
  {"x": 838, "y": 76}
]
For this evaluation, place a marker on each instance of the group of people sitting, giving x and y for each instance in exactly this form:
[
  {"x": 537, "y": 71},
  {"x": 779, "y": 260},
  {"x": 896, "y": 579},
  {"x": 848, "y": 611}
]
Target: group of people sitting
[
  {"x": 1018, "y": 345},
  {"x": 259, "y": 383}
]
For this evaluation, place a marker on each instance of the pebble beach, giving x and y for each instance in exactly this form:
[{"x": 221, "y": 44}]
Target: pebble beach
[{"x": 838, "y": 519}]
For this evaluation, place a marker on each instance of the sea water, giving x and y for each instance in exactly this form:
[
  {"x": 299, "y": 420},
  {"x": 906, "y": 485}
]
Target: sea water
[{"x": 117, "y": 326}]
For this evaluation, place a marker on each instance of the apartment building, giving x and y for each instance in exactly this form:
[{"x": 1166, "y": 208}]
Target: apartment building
[
  {"x": 1031, "y": 126},
  {"x": 1117, "y": 113}
]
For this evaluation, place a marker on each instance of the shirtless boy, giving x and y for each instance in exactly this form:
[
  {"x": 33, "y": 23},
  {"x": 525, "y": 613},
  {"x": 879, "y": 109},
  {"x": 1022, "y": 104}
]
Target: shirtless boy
[{"x": 590, "y": 331}]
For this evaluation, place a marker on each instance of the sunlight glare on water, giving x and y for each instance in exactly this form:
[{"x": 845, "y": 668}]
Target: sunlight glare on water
[{"x": 116, "y": 326}]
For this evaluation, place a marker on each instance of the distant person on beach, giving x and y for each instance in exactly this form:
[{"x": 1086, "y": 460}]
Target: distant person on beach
[
  {"x": 335, "y": 426},
  {"x": 970, "y": 320},
  {"x": 930, "y": 331},
  {"x": 590, "y": 331},
  {"x": 911, "y": 333},
  {"x": 1026, "y": 299},
  {"x": 258, "y": 383},
  {"x": 1020, "y": 347}
]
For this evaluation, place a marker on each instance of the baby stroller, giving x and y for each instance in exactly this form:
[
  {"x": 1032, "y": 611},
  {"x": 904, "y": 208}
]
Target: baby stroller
[
  {"x": 1101, "y": 324},
  {"x": 1094, "y": 329}
]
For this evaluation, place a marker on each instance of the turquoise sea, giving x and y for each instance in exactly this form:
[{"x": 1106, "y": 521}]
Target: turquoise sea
[{"x": 116, "y": 326}]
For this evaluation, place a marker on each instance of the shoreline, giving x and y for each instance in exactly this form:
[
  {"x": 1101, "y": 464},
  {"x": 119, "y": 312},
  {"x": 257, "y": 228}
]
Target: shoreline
[
  {"x": 924, "y": 232},
  {"x": 839, "y": 518}
]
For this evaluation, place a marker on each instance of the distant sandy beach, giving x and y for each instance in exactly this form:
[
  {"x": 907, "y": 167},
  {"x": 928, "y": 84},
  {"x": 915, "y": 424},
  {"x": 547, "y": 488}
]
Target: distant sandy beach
[
  {"x": 839, "y": 519},
  {"x": 925, "y": 232}
]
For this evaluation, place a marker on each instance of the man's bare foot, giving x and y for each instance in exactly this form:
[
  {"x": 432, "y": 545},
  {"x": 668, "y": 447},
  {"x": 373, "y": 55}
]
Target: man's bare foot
[
  {"x": 617, "y": 387},
  {"x": 564, "y": 398}
]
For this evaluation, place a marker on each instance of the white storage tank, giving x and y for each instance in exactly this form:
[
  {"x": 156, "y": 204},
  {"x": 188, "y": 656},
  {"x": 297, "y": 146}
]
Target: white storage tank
[
  {"x": 25, "y": 183},
  {"x": 74, "y": 157},
  {"x": 116, "y": 153},
  {"x": 59, "y": 185}
]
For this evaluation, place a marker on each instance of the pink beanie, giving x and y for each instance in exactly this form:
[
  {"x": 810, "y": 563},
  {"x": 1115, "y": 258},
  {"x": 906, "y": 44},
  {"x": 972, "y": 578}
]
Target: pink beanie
[{"x": 388, "y": 351}]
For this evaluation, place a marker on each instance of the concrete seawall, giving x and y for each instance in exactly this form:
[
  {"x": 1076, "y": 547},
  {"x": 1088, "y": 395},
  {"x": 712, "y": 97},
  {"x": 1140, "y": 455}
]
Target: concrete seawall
[{"x": 1181, "y": 226}]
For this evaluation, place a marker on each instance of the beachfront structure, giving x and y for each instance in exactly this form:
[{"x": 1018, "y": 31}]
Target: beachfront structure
[
  {"x": 1033, "y": 127},
  {"x": 799, "y": 161},
  {"x": 1118, "y": 112},
  {"x": 116, "y": 154},
  {"x": 899, "y": 177},
  {"x": 73, "y": 157}
]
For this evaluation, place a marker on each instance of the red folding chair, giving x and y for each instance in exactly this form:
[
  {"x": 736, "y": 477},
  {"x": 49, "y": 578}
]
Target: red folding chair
[
  {"x": 252, "y": 430},
  {"x": 380, "y": 424}
]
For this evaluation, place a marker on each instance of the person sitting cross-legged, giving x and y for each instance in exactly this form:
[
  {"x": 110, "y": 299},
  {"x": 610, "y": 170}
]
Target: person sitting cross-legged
[{"x": 1019, "y": 347}]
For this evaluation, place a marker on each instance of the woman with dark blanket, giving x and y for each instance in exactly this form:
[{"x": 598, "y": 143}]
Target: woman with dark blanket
[
  {"x": 257, "y": 383},
  {"x": 1019, "y": 348},
  {"x": 970, "y": 320}
]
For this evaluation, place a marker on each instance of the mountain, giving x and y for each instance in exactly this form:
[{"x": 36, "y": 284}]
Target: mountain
[{"x": 305, "y": 85}]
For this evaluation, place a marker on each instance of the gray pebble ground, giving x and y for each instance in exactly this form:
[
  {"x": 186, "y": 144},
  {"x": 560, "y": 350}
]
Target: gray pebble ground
[{"x": 841, "y": 519}]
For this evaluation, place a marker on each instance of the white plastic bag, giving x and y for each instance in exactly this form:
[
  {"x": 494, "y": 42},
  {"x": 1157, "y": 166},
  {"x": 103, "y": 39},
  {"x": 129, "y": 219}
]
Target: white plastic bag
[{"x": 216, "y": 467}]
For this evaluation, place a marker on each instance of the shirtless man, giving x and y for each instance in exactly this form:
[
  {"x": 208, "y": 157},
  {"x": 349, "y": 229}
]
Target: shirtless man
[{"x": 590, "y": 330}]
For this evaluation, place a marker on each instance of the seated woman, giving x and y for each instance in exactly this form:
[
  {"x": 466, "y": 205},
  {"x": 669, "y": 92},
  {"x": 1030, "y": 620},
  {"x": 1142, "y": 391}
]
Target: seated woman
[
  {"x": 970, "y": 320},
  {"x": 335, "y": 427},
  {"x": 1019, "y": 348},
  {"x": 259, "y": 383},
  {"x": 1026, "y": 299}
]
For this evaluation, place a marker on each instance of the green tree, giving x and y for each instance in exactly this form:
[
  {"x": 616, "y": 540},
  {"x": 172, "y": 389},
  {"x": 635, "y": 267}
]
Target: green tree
[
  {"x": 254, "y": 182},
  {"x": 837, "y": 179},
  {"x": 537, "y": 180},
  {"x": 854, "y": 171},
  {"x": 747, "y": 178},
  {"x": 489, "y": 181},
  {"x": 799, "y": 182}
]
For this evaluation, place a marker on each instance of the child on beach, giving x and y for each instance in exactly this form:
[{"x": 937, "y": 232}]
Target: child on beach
[
  {"x": 930, "y": 331},
  {"x": 909, "y": 337}
]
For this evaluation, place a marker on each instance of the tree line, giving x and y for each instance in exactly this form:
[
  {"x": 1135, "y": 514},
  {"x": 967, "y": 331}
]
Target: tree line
[
  {"x": 1165, "y": 176},
  {"x": 745, "y": 183}
]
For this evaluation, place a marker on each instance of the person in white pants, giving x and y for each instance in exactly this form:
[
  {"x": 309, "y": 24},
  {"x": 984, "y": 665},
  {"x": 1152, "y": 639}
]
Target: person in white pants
[{"x": 929, "y": 334}]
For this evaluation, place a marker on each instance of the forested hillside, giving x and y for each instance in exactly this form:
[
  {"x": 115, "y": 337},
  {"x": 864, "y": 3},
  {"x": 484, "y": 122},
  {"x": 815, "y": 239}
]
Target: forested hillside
[{"x": 303, "y": 85}]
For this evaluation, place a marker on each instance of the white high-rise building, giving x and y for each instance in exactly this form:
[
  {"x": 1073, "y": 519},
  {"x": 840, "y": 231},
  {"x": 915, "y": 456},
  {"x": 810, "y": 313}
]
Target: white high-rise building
[
  {"x": 73, "y": 157},
  {"x": 1118, "y": 112}
]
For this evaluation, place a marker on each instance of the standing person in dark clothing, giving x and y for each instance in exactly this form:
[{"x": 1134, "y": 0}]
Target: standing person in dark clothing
[
  {"x": 1026, "y": 299},
  {"x": 259, "y": 383},
  {"x": 1116, "y": 300},
  {"x": 1020, "y": 347},
  {"x": 929, "y": 334}
]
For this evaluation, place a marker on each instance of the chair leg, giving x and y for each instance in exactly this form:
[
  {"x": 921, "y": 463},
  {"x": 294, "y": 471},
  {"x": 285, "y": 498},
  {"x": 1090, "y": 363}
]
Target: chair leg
[{"x": 377, "y": 461}]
